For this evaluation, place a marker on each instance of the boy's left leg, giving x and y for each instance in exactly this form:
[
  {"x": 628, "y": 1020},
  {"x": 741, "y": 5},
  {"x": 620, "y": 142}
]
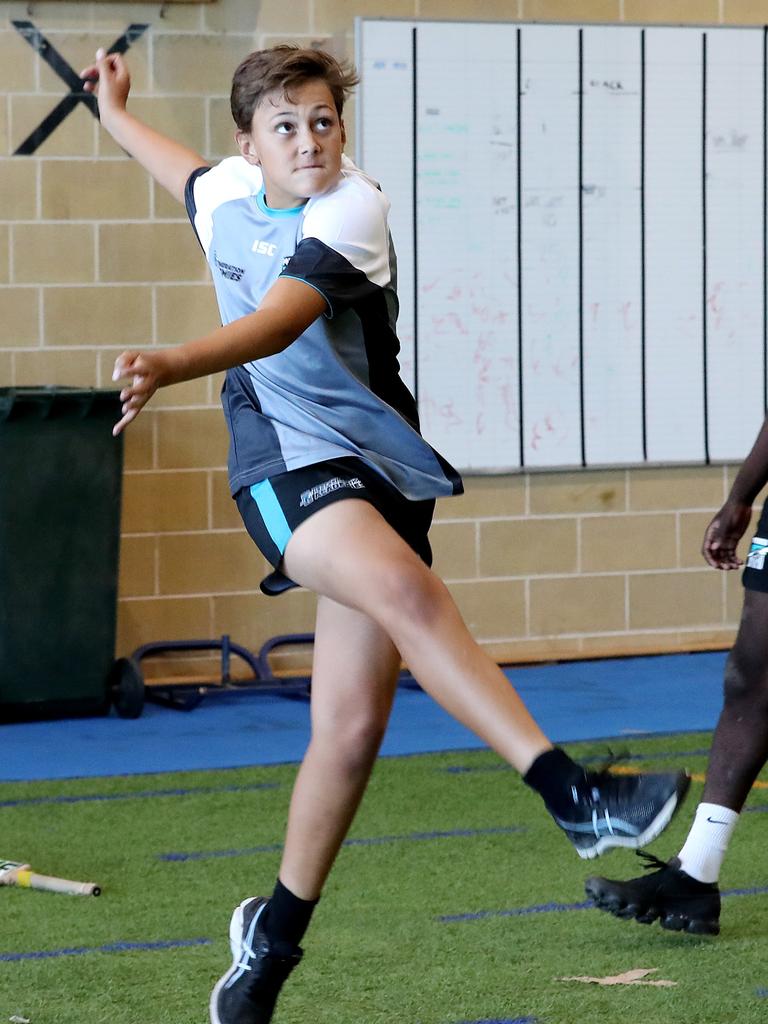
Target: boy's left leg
[{"x": 354, "y": 677}]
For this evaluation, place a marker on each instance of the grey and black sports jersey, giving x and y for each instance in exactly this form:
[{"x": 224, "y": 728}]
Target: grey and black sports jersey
[{"x": 336, "y": 391}]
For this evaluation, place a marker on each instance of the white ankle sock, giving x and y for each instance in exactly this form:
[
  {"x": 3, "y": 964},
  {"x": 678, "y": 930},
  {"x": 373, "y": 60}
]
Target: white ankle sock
[{"x": 703, "y": 851}]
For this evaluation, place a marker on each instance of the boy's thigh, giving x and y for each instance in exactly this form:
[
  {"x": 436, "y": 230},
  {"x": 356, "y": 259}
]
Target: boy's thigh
[{"x": 329, "y": 505}]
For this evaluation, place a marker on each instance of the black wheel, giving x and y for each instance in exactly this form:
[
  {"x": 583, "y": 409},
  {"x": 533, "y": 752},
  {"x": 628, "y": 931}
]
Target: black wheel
[{"x": 127, "y": 688}]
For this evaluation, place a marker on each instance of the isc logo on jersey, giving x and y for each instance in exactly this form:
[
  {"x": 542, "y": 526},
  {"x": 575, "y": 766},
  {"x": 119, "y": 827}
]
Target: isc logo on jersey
[{"x": 263, "y": 248}]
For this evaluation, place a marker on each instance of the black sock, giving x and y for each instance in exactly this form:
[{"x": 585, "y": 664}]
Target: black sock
[
  {"x": 286, "y": 919},
  {"x": 552, "y": 775}
]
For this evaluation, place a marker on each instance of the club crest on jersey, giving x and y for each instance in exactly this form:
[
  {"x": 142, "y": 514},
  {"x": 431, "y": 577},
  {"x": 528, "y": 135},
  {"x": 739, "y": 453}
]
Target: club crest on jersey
[{"x": 264, "y": 248}]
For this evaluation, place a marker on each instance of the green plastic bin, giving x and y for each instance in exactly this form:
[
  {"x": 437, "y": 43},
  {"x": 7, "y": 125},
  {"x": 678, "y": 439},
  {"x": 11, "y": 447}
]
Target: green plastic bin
[{"x": 60, "y": 483}]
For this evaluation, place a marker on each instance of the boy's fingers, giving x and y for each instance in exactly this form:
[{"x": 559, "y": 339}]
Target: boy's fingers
[
  {"x": 120, "y": 426},
  {"x": 124, "y": 365},
  {"x": 130, "y": 409},
  {"x": 111, "y": 63},
  {"x": 131, "y": 397},
  {"x": 90, "y": 78}
]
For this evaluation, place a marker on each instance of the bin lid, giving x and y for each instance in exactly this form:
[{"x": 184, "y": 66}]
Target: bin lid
[{"x": 47, "y": 400}]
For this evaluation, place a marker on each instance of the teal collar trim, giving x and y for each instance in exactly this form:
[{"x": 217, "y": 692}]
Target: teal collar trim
[{"x": 261, "y": 202}]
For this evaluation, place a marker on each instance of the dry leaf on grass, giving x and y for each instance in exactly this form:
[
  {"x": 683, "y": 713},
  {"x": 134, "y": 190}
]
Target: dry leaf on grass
[{"x": 638, "y": 976}]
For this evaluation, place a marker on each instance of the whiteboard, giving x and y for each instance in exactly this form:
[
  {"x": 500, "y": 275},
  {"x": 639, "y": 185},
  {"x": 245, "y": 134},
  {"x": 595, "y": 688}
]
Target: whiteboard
[{"x": 579, "y": 214}]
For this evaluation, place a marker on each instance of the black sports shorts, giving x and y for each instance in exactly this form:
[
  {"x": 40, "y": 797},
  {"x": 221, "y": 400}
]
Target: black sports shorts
[
  {"x": 273, "y": 508},
  {"x": 755, "y": 575}
]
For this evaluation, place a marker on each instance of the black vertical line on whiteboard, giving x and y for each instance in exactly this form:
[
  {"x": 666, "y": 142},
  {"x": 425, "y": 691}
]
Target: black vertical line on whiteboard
[
  {"x": 415, "y": 218},
  {"x": 520, "y": 365},
  {"x": 704, "y": 333},
  {"x": 643, "y": 352},
  {"x": 581, "y": 247},
  {"x": 765, "y": 219}
]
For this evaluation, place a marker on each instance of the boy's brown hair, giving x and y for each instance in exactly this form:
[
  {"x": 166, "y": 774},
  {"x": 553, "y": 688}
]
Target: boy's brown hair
[{"x": 283, "y": 67}]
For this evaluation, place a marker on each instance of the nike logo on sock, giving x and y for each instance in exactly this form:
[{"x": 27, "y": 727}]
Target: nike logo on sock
[{"x": 716, "y": 821}]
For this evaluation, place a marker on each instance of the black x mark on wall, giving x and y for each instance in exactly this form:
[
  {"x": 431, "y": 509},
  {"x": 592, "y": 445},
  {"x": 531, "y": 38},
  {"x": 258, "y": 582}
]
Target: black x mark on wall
[{"x": 53, "y": 58}]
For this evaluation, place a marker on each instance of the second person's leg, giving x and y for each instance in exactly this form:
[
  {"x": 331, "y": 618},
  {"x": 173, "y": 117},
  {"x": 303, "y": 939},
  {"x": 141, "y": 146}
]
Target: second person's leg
[{"x": 683, "y": 894}]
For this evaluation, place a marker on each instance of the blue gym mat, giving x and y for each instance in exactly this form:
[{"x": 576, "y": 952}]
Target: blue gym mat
[{"x": 580, "y": 700}]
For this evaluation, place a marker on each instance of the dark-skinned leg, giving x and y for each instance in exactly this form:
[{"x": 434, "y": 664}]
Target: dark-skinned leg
[
  {"x": 739, "y": 746},
  {"x": 684, "y": 894},
  {"x": 740, "y": 743}
]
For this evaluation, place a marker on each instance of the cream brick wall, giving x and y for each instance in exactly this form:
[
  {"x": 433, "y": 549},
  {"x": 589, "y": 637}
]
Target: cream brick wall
[{"x": 93, "y": 258}]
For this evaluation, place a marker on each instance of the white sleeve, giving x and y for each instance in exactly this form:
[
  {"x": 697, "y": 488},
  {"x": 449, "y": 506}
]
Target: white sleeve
[
  {"x": 352, "y": 220},
  {"x": 233, "y": 178}
]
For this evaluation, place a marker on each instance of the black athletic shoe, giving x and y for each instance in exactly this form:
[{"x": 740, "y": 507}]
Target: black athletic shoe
[
  {"x": 247, "y": 993},
  {"x": 681, "y": 903},
  {"x": 620, "y": 810}
]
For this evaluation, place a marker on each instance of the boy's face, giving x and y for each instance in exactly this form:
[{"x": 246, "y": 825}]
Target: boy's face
[{"x": 297, "y": 143}]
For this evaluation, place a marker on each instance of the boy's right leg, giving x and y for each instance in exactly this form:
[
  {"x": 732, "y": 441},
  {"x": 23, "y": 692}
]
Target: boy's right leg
[
  {"x": 354, "y": 676},
  {"x": 348, "y": 552},
  {"x": 683, "y": 894}
]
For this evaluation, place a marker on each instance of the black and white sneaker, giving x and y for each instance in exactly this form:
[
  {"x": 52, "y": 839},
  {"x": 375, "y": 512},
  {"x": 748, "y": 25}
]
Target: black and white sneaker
[
  {"x": 679, "y": 902},
  {"x": 247, "y": 993},
  {"x": 611, "y": 810}
]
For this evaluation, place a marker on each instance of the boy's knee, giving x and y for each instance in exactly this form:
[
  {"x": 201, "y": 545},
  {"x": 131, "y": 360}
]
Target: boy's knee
[
  {"x": 354, "y": 743},
  {"x": 410, "y": 593}
]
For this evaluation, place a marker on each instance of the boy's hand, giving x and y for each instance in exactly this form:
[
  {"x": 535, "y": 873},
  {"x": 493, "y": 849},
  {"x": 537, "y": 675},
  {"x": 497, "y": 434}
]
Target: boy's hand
[
  {"x": 723, "y": 535},
  {"x": 148, "y": 371},
  {"x": 110, "y": 73}
]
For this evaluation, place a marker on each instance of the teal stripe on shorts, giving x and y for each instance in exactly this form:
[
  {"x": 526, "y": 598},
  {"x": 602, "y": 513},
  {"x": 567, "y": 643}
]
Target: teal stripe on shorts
[{"x": 274, "y": 518}]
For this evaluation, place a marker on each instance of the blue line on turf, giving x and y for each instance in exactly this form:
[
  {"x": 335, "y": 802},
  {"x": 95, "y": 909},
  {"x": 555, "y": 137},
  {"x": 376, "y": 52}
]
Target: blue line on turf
[
  {"x": 500, "y": 1020},
  {"x": 112, "y": 947},
  {"x": 373, "y": 841},
  {"x": 139, "y": 795},
  {"x": 757, "y": 890},
  {"x": 540, "y": 908},
  {"x": 212, "y": 854},
  {"x": 555, "y": 908}
]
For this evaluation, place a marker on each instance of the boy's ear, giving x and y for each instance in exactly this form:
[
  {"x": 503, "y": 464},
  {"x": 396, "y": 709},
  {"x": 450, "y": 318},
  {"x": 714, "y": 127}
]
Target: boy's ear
[
  {"x": 343, "y": 134},
  {"x": 247, "y": 148}
]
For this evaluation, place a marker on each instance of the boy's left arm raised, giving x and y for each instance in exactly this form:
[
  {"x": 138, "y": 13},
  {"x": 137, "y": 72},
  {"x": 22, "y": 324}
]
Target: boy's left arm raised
[
  {"x": 284, "y": 313},
  {"x": 169, "y": 162}
]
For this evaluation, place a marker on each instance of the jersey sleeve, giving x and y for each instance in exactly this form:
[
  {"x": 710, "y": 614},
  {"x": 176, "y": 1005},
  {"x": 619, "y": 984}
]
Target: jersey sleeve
[
  {"x": 344, "y": 249},
  {"x": 209, "y": 187}
]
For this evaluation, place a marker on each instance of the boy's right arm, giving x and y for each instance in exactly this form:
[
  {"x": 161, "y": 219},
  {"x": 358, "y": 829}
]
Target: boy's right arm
[
  {"x": 729, "y": 524},
  {"x": 169, "y": 162}
]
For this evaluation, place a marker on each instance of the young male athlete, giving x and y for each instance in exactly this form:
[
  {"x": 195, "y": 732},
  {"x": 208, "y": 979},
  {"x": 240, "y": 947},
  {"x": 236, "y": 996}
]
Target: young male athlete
[
  {"x": 683, "y": 893},
  {"x": 334, "y": 481}
]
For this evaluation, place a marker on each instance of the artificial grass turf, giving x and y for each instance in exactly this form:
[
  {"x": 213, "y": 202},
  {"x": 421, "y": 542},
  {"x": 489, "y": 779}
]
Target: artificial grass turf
[{"x": 378, "y": 950}]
